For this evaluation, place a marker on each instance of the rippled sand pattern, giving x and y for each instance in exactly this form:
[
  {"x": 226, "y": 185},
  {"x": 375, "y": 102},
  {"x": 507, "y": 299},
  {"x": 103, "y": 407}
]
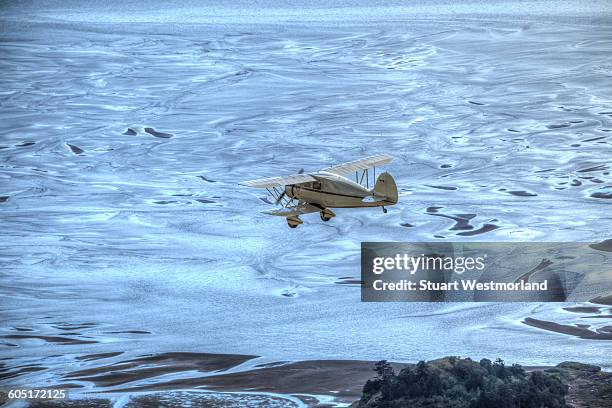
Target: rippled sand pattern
[{"x": 124, "y": 230}]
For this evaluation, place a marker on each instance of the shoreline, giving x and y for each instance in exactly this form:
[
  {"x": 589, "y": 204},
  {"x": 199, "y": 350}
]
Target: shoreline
[{"x": 218, "y": 378}]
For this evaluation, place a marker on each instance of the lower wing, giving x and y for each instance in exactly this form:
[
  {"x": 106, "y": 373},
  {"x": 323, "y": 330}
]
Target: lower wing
[{"x": 301, "y": 208}]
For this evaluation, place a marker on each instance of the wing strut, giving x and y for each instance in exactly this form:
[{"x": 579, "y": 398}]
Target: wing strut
[{"x": 365, "y": 174}]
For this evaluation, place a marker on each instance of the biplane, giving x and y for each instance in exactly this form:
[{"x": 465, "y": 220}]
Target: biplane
[{"x": 305, "y": 193}]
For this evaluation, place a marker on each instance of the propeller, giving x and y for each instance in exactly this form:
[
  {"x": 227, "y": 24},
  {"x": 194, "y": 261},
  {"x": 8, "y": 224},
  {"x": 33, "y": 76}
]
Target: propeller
[{"x": 283, "y": 194}]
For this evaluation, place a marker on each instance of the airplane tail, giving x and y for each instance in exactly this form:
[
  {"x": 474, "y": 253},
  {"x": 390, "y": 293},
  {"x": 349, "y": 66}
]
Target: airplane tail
[{"x": 385, "y": 187}]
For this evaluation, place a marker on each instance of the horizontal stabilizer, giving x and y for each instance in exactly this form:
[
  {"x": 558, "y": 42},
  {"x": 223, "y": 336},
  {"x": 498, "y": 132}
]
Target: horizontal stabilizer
[{"x": 373, "y": 199}]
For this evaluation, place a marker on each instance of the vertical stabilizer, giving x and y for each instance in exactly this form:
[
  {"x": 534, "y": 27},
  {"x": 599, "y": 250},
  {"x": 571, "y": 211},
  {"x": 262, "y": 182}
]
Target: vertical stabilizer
[{"x": 385, "y": 187}]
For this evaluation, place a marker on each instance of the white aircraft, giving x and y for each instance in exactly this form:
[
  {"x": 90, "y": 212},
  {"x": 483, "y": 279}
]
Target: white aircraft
[{"x": 330, "y": 188}]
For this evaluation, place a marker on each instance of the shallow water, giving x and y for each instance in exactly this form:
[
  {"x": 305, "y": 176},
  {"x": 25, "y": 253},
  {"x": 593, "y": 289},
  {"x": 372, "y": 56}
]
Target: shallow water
[{"x": 124, "y": 229}]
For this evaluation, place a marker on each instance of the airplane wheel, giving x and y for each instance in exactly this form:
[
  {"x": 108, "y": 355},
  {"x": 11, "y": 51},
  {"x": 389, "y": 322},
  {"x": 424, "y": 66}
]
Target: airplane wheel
[
  {"x": 293, "y": 221},
  {"x": 384, "y": 210},
  {"x": 326, "y": 215}
]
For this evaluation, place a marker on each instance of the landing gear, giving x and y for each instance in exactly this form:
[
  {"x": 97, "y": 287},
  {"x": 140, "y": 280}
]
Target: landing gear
[
  {"x": 294, "y": 221},
  {"x": 326, "y": 214},
  {"x": 384, "y": 209}
]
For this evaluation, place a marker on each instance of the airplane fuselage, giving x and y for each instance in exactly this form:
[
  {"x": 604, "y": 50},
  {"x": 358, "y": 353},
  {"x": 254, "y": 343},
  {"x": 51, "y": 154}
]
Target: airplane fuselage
[{"x": 332, "y": 190}]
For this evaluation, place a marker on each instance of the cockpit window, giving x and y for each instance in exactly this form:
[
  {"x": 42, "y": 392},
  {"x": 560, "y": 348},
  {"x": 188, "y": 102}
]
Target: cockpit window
[{"x": 316, "y": 185}]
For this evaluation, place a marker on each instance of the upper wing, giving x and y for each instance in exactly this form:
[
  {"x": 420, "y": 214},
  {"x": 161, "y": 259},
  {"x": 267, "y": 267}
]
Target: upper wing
[
  {"x": 278, "y": 181},
  {"x": 361, "y": 164},
  {"x": 340, "y": 169}
]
